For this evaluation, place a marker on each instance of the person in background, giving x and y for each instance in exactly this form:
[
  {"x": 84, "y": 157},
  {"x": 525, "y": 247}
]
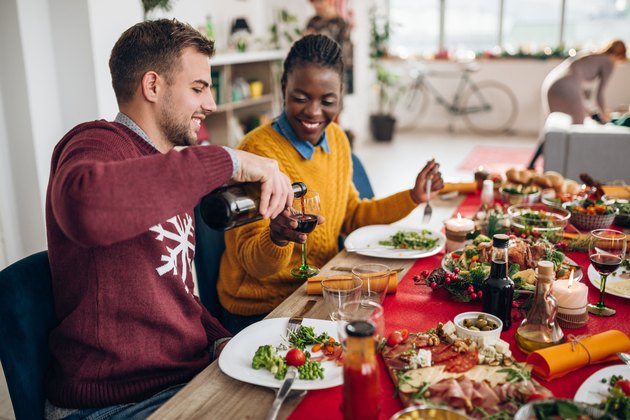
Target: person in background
[
  {"x": 255, "y": 269},
  {"x": 562, "y": 89},
  {"x": 327, "y": 22},
  {"x": 120, "y": 230}
]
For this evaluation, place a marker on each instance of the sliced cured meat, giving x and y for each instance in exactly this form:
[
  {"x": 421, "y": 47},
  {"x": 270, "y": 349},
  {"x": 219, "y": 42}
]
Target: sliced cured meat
[{"x": 463, "y": 362}]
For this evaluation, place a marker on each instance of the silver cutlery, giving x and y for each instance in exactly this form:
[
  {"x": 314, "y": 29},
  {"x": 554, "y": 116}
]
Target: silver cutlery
[
  {"x": 292, "y": 327},
  {"x": 428, "y": 211},
  {"x": 624, "y": 357}
]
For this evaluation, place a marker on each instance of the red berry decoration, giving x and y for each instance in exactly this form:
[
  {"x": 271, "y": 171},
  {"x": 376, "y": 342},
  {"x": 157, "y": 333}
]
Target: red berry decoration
[
  {"x": 425, "y": 273},
  {"x": 473, "y": 296},
  {"x": 456, "y": 270},
  {"x": 416, "y": 277},
  {"x": 471, "y": 289},
  {"x": 433, "y": 285},
  {"x": 480, "y": 294},
  {"x": 448, "y": 280}
]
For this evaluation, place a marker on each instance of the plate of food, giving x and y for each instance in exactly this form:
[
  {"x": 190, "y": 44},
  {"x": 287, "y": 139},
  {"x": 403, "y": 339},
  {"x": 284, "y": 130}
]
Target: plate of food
[
  {"x": 596, "y": 387},
  {"x": 387, "y": 241},
  {"x": 617, "y": 284},
  {"x": 259, "y": 354},
  {"x": 472, "y": 263},
  {"x": 476, "y": 377},
  {"x": 560, "y": 409}
]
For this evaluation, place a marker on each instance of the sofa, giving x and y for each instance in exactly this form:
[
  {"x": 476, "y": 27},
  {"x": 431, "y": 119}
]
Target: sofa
[{"x": 602, "y": 151}]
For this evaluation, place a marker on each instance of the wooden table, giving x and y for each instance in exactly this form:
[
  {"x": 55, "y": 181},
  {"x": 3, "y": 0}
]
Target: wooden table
[{"x": 213, "y": 394}]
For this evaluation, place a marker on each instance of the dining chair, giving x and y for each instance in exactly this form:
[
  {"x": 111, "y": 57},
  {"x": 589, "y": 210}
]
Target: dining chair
[
  {"x": 26, "y": 318},
  {"x": 209, "y": 246},
  {"x": 362, "y": 184}
]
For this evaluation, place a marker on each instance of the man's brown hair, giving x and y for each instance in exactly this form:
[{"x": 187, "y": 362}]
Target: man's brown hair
[{"x": 155, "y": 45}]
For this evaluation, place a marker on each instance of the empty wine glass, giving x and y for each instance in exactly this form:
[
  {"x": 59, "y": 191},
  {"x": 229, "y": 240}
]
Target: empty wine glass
[
  {"x": 606, "y": 249},
  {"x": 306, "y": 214}
]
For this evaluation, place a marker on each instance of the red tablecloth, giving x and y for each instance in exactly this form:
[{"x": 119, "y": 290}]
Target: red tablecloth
[{"x": 418, "y": 308}]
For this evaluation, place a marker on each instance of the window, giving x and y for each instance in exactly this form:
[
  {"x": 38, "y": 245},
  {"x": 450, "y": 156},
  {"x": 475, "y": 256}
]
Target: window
[
  {"x": 528, "y": 26},
  {"x": 592, "y": 24}
]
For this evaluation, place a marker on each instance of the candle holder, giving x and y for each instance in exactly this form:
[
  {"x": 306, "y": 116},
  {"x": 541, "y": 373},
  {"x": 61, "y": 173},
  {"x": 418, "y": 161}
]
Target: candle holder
[
  {"x": 572, "y": 317},
  {"x": 456, "y": 239}
]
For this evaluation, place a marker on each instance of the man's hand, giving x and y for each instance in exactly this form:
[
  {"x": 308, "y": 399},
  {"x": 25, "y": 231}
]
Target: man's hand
[
  {"x": 432, "y": 170},
  {"x": 282, "y": 228},
  {"x": 276, "y": 193}
]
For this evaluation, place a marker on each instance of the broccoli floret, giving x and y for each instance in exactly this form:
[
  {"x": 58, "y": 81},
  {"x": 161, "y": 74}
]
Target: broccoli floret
[
  {"x": 471, "y": 252},
  {"x": 556, "y": 257},
  {"x": 478, "y": 274},
  {"x": 266, "y": 357},
  {"x": 513, "y": 269},
  {"x": 481, "y": 238}
]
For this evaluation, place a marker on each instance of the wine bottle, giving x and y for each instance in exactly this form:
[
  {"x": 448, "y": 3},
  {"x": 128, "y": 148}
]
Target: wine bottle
[
  {"x": 498, "y": 289},
  {"x": 236, "y": 205}
]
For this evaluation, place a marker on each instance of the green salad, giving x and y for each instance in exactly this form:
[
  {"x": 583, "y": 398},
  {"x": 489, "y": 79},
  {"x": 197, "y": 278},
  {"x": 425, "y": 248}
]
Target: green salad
[{"x": 412, "y": 240}]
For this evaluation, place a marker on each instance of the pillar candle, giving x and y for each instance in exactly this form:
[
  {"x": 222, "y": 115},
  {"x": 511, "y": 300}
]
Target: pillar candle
[
  {"x": 456, "y": 230},
  {"x": 571, "y": 296}
]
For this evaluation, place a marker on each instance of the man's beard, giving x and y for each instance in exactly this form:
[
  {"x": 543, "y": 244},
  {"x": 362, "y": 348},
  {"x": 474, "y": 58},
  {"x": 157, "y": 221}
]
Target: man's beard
[{"x": 177, "y": 133}]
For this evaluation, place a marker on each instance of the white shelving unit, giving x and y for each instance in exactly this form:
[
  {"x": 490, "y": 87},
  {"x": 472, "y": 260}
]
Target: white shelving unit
[{"x": 233, "y": 111}]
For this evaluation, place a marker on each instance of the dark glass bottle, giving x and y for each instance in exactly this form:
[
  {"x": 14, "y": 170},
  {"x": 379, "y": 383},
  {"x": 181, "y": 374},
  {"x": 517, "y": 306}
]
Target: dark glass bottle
[
  {"x": 236, "y": 205},
  {"x": 361, "y": 391},
  {"x": 498, "y": 289}
]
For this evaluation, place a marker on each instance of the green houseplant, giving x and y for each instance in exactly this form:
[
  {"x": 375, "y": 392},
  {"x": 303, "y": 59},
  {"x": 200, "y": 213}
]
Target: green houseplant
[{"x": 383, "y": 122}]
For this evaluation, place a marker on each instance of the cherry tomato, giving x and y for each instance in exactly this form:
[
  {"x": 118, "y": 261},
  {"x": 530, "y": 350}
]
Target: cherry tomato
[
  {"x": 405, "y": 334},
  {"x": 395, "y": 338},
  {"x": 536, "y": 396},
  {"x": 624, "y": 385},
  {"x": 295, "y": 357}
]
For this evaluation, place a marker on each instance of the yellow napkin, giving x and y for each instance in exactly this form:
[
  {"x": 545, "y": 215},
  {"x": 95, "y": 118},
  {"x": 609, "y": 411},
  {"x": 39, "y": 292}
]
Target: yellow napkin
[
  {"x": 617, "y": 191},
  {"x": 554, "y": 362},
  {"x": 463, "y": 187},
  {"x": 314, "y": 284}
]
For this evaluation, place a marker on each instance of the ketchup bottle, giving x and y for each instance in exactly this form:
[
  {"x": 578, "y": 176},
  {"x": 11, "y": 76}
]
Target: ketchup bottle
[{"x": 360, "y": 373}]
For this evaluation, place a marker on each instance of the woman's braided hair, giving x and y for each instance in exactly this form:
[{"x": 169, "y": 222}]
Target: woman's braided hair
[{"x": 319, "y": 50}]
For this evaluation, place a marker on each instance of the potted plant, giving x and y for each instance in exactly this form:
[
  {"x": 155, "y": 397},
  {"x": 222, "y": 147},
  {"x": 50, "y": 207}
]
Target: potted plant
[
  {"x": 150, "y": 5},
  {"x": 383, "y": 122}
]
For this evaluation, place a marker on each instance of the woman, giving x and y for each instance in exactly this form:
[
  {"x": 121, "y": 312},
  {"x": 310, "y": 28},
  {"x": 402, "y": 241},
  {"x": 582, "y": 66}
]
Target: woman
[
  {"x": 255, "y": 268},
  {"x": 562, "y": 89}
]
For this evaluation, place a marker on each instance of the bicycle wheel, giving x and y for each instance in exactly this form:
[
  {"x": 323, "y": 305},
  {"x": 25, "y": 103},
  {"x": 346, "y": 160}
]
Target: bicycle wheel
[
  {"x": 410, "y": 105},
  {"x": 489, "y": 108}
]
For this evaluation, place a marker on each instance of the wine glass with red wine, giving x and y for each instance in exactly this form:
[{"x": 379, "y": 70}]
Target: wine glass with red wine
[
  {"x": 306, "y": 214},
  {"x": 606, "y": 249}
]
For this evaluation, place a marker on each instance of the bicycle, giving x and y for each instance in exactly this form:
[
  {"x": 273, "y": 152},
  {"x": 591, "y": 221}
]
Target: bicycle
[{"x": 487, "y": 107}]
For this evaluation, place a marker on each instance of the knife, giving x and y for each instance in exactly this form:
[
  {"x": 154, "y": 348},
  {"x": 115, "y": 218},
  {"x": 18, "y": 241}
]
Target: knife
[{"x": 282, "y": 393}]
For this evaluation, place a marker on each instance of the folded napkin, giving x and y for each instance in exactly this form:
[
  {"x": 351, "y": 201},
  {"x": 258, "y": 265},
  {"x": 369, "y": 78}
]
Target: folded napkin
[
  {"x": 463, "y": 187},
  {"x": 314, "y": 284},
  {"x": 554, "y": 362}
]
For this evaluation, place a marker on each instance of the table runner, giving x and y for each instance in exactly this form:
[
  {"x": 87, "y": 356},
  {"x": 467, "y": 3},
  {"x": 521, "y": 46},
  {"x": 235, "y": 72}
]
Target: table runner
[{"x": 419, "y": 308}]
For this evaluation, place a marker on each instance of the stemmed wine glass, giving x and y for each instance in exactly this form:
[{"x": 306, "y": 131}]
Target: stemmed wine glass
[
  {"x": 606, "y": 249},
  {"x": 306, "y": 213}
]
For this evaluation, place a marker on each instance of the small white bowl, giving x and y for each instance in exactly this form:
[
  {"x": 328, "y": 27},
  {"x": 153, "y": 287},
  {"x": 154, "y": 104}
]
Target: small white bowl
[{"x": 488, "y": 337}]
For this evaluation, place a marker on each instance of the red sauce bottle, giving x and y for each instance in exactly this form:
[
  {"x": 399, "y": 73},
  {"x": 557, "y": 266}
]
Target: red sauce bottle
[{"x": 360, "y": 373}]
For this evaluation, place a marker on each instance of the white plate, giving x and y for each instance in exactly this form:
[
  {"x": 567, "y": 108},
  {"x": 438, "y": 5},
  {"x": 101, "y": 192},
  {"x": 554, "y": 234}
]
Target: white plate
[
  {"x": 593, "y": 391},
  {"x": 613, "y": 279},
  {"x": 365, "y": 241},
  {"x": 236, "y": 357}
]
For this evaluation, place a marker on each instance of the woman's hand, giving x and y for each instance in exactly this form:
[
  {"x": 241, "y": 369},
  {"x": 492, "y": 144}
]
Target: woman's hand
[
  {"x": 431, "y": 170},
  {"x": 282, "y": 228}
]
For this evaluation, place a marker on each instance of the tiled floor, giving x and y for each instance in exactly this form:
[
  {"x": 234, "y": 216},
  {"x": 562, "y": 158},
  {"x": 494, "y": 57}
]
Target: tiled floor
[{"x": 391, "y": 167}]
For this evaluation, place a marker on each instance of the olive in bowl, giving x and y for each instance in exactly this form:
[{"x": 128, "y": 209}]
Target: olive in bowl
[{"x": 478, "y": 326}]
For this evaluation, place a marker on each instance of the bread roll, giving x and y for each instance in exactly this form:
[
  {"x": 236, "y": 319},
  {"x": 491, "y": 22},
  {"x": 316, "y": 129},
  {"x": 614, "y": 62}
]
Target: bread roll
[
  {"x": 543, "y": 181},
  {"x": 513, "y": 175},
  {"x": 527, "y": 175},
  {"x": 572, "y": 187},
  {"x": 557, "y": 180}
]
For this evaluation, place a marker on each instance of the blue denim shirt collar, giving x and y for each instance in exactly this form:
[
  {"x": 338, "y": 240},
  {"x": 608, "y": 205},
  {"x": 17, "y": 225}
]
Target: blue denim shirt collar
[{"x": 303, "y": 147}]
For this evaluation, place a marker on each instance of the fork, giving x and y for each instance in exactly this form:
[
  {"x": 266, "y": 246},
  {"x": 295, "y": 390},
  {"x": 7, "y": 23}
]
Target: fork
[
  {"x": 428, "y": 211},
  {"x": 624, "y": 357},
  {"x": 295, "y": 321}
]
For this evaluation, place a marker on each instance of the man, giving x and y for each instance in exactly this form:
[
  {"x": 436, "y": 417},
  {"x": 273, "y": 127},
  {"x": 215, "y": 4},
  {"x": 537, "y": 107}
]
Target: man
[{"x": 119, "y": 214}]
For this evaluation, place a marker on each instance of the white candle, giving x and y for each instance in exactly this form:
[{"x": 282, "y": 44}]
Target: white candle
[
  {"x": 456, "y": 230},
  {"x": 572, "y": 296},
  {"x": 460, "y": 224}
]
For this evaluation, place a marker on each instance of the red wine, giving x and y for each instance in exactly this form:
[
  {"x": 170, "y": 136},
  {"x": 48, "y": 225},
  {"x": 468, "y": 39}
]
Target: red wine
[
  {"x": 605, "y": 263},
  {"x": 306, "y": 222}
]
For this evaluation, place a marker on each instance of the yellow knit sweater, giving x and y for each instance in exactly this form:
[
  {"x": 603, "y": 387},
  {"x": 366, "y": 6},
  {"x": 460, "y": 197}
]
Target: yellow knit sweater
[{"x": 255, "y": 275}]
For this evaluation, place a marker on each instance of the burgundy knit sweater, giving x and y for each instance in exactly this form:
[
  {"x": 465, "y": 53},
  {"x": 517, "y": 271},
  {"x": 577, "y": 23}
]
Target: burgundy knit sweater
[{"x": 120, "y": 226}]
